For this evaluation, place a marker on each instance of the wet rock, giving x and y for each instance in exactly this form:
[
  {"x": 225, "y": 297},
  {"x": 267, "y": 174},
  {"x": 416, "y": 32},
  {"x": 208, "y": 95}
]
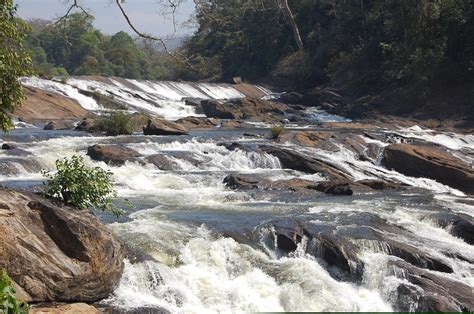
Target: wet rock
[
  {"x": 379, "y": 184},
  {"x": 8, "y": 146},
  {"x": 158, "y": 126},
  {"x": 249, "y": 181},
  {"x": 245, "y": 108},
  {"x": 336, "y": 187},
  {"x": 235, "y": 145},
  {"x": 429, "y": 292},
  {"x": 12, "y": 166},
  {"x": 292, "y": 98},
  {"x": 59, "y": 125},
  {"x": 291, "y": 159},
  {"x": 197, "y": 123},
  {"x": 430, "y": 162},
  {"x": 457, "y": 224},
  {"x": 115, "y": 155},
  {"x": 163, "y": 162},
  {"x": 214, "y": 109},
  {"x": 87, "y": 125},
  {"x": 56, "y": 253}
]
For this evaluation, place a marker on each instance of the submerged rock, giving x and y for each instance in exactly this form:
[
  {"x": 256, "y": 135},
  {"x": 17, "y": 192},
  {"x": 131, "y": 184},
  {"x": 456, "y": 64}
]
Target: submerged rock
[
  {"x": 7, "y": 146},
  {"x": 59, "y": 125},
  {"x": 56, "y": 253},
  {"x": 430, "y": 162},
  {"x": 115, "y": 155},
  {"x": 158, "y": 126}
]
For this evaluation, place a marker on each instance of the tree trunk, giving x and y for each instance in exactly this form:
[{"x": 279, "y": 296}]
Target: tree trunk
[{"x": 289, "y": 15}]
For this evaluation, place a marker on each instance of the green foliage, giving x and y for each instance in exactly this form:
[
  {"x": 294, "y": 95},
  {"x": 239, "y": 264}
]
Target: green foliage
[
  {"x": 275, "y": 131},
  {"x": 15, "y": 61},
  {"x": 76, "y": 46},
  {"x": 116, "y": 123},
  {"x": 77, "y": 185},
  {"x": 9, "y": 304},
  {"x": 369, "y": 44}
]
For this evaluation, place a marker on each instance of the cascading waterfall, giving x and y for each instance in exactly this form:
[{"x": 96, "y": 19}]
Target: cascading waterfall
[
  {"x": 166, "y": 99},
  {"x": 197, "y": 246}
]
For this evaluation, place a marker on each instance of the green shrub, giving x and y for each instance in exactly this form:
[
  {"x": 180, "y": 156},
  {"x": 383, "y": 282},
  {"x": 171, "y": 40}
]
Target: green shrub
[
  {"x": 9, "y": 304},
  {"x": 275, "y": 131},
  {"x": 78, "y": 185},
  {"x": 116, "y": 123}
]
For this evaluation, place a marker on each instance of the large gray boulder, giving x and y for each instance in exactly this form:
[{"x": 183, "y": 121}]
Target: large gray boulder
[{"x": 54, "y": 252}]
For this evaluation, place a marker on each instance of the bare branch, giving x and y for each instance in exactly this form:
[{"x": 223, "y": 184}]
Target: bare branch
[{"x": 179, "y": 58}]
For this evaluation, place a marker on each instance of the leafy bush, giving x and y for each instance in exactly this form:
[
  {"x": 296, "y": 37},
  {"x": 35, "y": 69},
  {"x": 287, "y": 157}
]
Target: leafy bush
[
  {"x": 80, "y": 186},
  {"x": 9, "y": 304},
  {"x": 116, "y": 123},
  {"x": 275, "y": 131}
]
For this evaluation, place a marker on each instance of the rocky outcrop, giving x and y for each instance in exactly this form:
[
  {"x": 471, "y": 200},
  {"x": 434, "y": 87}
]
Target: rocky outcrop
[
  {"x": 430, "y": 162},
  {"x": 215, "y": 109},
  {"x": 40, "y": 105},
  {"x": 115, "y": 155},
  {"x": 158, "y": 126},
  {"x": 291, "y": 159},
  {"x": 197, "y": 122},
  {"x": 54, "y": 252},
  {"x": 87, "y": 125},
  {"x": 336, "y": 187},
  {"x": 245, "y": 109},
  {"x": 292, "y": 98},
  {"x": 162, "y": 162}
]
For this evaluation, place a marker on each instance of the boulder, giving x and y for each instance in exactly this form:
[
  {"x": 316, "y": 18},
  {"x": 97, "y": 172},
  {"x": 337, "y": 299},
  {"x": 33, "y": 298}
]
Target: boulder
[
  {"x": 292, "y": 98},
  {"x": 336, "y": 187},
  {"x": 87, "y": 125},
  {"x": 432, "y": 162},
  {"x": 59, "y": 125},
  {"x": 242, "y": 181},
  {"x": 8, "y": 146},
  {"x": 214, "y": 109},
  {"x": 158, "y": 126},
  {"x": 162, "y": 162},
  {"x": 457, "y": 224},
  {"x": 115, "y": 155},
  {"x": 197, "y": 122},
  {"x": 426, "y": 291},
  {"x": 54, "y": 252}
]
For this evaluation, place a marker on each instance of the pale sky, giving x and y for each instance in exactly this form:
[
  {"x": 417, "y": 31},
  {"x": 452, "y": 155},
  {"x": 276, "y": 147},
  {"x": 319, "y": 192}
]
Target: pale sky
[{"x": 145, "y": 14}]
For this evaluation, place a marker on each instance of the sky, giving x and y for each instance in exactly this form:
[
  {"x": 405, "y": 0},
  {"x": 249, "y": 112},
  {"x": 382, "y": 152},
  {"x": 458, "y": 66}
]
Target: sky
[{"x": 145, "y": 14}]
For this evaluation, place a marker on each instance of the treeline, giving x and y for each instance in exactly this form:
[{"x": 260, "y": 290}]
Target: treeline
[
  {"x": 367, "y": 44},
  {"x": 73, "y": 46}
]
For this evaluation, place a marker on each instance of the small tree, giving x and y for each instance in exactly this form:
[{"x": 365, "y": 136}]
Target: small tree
[
  {"x": 81, "y": 186},
  {"x": 15, "y": 61},
  {"x": 275, "y": 131},
  {"x": 9, "y": 304},
  {"x": 116, "y": 123}
]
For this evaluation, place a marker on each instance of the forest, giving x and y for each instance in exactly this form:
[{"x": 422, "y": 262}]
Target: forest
[{"x": 365, "y": 44}]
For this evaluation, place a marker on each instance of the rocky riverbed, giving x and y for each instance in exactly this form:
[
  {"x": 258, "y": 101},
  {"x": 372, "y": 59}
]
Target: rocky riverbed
[{"x": 333, "y": 215}]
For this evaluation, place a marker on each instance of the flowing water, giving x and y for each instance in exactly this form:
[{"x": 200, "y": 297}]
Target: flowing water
[{"x": 197, "y": 246}]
